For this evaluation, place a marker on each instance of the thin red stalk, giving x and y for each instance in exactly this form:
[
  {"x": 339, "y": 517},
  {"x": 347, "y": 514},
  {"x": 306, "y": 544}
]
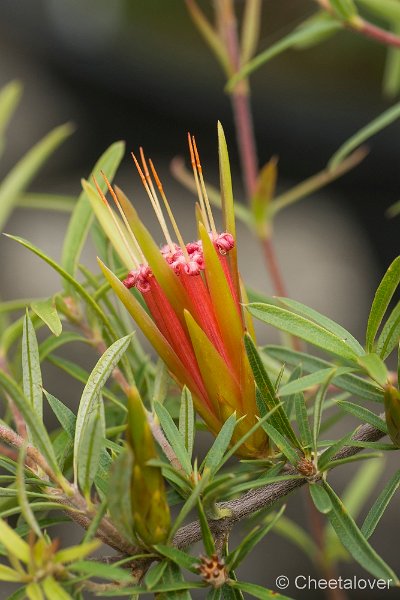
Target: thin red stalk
[{"x": 365, "y": 28}]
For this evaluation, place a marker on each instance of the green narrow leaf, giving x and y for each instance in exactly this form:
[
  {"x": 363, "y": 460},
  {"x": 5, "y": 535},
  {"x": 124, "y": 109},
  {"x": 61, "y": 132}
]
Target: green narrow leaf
[
  {"x": 345, "y": 9},
  {"x": 190, "y": 503},
  {"x": 221, "y": 443},
  {"x": 10, "y": 95},
  {"x": 386, "y": 118},
  {"x": 90, "y": 446},
  {"x": 375, "y": 367},
  {"x": 184, "y": 560},
  {"x": 281, "y": 443},
  {"x": 377, "y": 510},
  {"x": 303, "y": 328},
  {"x": 267, "y": 391},
  {"x": 390, "y": 335},
  {"x": 37, "y": 430},
  {"x": 31, "y": 372},
  {"x": 119, "y": 494},
  {"x": 327, "y": 455},
  {"x": 349, "y": 382},
  {"x": 257, "y": 591},
  {"x": 101, "y": 570},
  {"x": 154, "y": 575},
  {"x": 365, "y": 415},
  {"x": 320, "y": 498},
  {"x": 354, "y": 541},
  {"x": 54, "y": 591},
  {"x": 326, "y": 322},
  {"x": 82, "y": 216},
  {"x": 303, "y": 422},
  {"x": 186, "y": 420},
  {"x": 174, "y": 437},
  {"x": 207, "y": 538},
  {"x": 15, "y": 545},
  {"x": 252, "y": 539},
  {"x": 304, "y": 33},
  {"x": 304, "y": 383},
  {"x": 22, "y": 495},
  {"x": 93, "y": 387},
  {"x": 46, "y": 310},
  {"x": 383, "y": 295},
  {"x": 24, "y": 171},
  {"x": 319, "y": 400}
]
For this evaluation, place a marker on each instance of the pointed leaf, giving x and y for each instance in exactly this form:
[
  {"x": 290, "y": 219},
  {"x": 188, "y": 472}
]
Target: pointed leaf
[
  {"x": 46, "y": 310},
  {"x": 221, "y": 443},
  {"x": 302, "y": 328},
  {"x": 375, "y": 367},
  {"x": 377, "y": 510},
  {"x": 174, "y": 437},
  {"x": 186, "y": 420},
  {"x": 15, "y": 545},
  {"x": 82, "y": 215},
  {"x": 353, "y": 540},
  {"x": 390, "y": 335},
  {"x": 320, "y": 498},
  {"x": 31, "y": 372},
  {"x": 95, "y": 383}
]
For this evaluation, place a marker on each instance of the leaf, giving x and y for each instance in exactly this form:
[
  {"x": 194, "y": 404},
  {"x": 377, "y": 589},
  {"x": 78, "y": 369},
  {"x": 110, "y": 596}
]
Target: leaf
[
  {"x": 79, "y": 288},
  {"x": 235, "y": 558},
  {"x": 73, "y": 553},
  {"x": 82, "y": 215},
  {"x": 303, "y": 328},
  {"x": 344, "y": 9},
  {"x": 267, "y": 391},
  {"x": 64, "y": 415},
  {"x": 349, "y": 382},
  {"x": 182, "y": 559},
  {"x": 390, "y": 334},
  {"x": 24, "y": 171},
  {"x": 119, "y": 494},
  {"x": 303, "y": 422},
  {"x": 325, "y": 458},
  {"x": 304, "y": 33},
  {"x": 33, "y": 591},
  {"x": 31, "y": 373},
  {"x": 46, "y": 310},
  {"x": 90, "y": 446},
  {"x": 206, "y": 535},
  {"x": 101, "y": 570},
  {"x": 383, "y": 120},
  {"x": 37, "y": 430},
  {"x": 174, "y": 437},
  {"x": 93, "y": 387},
  {"x": 353, "y": 540},
  {"x": 320, "y": 498},
  {"x": 23, "y": 501},
  {"x": 53, "y": 590},
  {"x": 305, "y": 383},
  {"x": 250, "y": 29},
  {"x": 221, "y": 443},
  {"x": 13, "y": 543},
  {"x": 186, "y": 420},
  {"x": 7, "y": 574},
  {"x": 375, "y": 367},
  {"x": 190, "y": 503},
  {"x": 383, "y": 295},
  {"x": 10, "y": 95},
  {"x": 386, "y": 9},
  {"x": 391, "y": 74},
  {"x": 377, "y": 510},
  {"x": 257, "y": 591},
  {"x": 325, "y": 322},
  {"x": 281, "y": 442},
  {"x": 319, "y": 400},
  {"x": 155, "y": 573},
  {"x": 365, "y": 415}
]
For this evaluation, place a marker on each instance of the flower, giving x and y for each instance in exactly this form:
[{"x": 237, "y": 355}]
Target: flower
[{"x": 193, "y": 294}]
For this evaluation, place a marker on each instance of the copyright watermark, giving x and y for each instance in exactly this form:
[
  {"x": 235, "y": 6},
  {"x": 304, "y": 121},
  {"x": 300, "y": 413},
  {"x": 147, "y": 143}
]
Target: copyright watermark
[{"x": 306, "y": 582}]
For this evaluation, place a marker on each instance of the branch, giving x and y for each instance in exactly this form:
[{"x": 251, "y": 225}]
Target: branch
[
  {"x": 365, "y": 28},
  {"x": 266, "y": 496}
]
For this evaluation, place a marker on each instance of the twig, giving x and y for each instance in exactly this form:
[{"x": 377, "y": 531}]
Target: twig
[
  {"x": 359, "y": 25},
  {"x": 266, "y": 496}
]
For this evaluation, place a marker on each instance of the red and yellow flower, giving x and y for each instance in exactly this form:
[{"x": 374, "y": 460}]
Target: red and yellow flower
[{"x": 192, "y": 291}]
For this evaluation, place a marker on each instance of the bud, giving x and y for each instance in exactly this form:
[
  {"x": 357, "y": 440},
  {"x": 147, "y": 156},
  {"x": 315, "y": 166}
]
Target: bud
[
  {"x": 392, "y": 413},
  {"x": 213, "y": 571},
  {"x": 150, "y": 509}
]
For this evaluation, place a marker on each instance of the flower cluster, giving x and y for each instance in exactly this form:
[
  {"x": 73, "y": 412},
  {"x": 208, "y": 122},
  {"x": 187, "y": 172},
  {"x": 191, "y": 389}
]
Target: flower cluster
[{"x": 193, "y": 295}]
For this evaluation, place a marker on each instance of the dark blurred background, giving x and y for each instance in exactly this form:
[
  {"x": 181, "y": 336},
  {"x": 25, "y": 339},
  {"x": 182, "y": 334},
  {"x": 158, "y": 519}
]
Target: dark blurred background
[{"x": 139, "y": 71}]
